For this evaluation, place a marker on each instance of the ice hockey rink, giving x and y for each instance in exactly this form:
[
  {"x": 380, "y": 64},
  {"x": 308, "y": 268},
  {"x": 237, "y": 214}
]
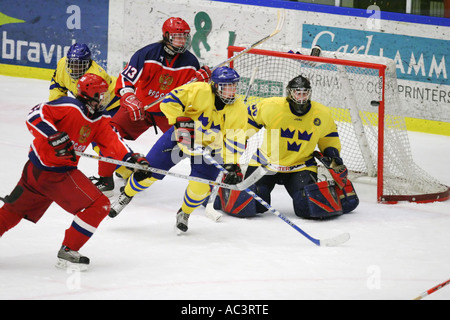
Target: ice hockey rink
[{"x": 396, "y": 252}]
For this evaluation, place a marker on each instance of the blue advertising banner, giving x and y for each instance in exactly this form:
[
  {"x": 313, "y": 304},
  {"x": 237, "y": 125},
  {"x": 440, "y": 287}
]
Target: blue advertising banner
[
  {"x": 416, "y": 58},
  {"x": 38, "y": 33}
]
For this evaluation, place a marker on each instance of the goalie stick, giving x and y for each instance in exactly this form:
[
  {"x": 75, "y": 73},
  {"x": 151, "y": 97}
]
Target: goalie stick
[
  {"x": 434, "y": 289},
  {"x": 258, "y": 174},
  {"x": 278, "y": 28},
  {"x": 330, "y": 242}
]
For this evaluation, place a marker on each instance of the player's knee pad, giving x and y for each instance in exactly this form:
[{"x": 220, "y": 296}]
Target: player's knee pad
[
  {"x": 349, "y": 198},
  {"x": 318, "y": 201}
]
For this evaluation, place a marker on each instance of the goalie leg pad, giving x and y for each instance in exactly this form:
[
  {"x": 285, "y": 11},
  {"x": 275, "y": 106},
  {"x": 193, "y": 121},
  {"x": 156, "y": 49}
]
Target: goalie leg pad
[
  {"x": 320, "y": 201},
  {"x": 349, "y": 198},
  {"x": 236, "y": 203}
]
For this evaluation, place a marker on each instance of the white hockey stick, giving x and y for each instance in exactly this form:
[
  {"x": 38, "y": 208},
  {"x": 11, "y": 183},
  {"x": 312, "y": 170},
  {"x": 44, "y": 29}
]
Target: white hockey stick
[
  {"x": 278, "y": 28},
  {"x": 330, "y": 242},
  {"x": 250, "y": 84},
  {"x": 258, "y": 174},
  {"x": 210, "y": 212}
]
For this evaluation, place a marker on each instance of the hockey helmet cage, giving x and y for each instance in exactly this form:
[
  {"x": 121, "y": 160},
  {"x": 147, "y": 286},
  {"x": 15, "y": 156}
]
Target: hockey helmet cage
[
  {"x": 224, "y": 82},
  {"x": 78, "y": 60},
  {"x": 298, "y": 92},
  {"x": 93, "y": 91},
  {"x": 176, "y": 35}
]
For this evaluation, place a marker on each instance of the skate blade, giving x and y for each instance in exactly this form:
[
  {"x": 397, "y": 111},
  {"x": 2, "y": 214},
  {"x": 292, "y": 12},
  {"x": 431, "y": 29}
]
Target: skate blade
[
  {"x": 70, "y": 266},
  {"x": 178, "y": 231}
]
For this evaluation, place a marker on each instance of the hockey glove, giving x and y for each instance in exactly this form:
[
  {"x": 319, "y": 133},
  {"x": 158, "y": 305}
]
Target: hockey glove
[
  {"x": 62, "y": 145},
  {"x": 185, "y": 131},
  {"x": 134, "y": 106},
  {"x": 139, "y": 158},
  {"x": 335, "y": 166},
  {"x": 203, "y": 74},
  {"x": 234, "y": 175}
]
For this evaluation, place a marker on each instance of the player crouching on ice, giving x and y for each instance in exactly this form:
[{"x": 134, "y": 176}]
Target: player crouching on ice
[
  {"x": 208, "y": 115},
  {"x": 60, "y": 128},
  {"x": 295, "y": 125}
]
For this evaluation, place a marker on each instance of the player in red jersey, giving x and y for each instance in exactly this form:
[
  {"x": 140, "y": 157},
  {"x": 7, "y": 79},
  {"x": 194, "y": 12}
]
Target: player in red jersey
[
  {"x": 152, "y": 72},
  {"x": 60, "y": 128}
]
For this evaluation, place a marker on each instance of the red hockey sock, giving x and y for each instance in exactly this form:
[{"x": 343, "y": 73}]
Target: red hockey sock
[
  {"x": 85, "y": 223},
  {"x": 8, "y": 220}
]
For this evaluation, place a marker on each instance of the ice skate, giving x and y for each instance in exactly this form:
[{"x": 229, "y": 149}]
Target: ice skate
[
  {"x": 117, "y": 206},
  {"x": 182, "y": 221},
  {"x": 104, "y": 184},
  {"x": 69, "y": 259}
]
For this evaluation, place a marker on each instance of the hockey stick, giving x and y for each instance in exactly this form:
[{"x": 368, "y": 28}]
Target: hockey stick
[
  {"x": 330, "y": 242},
  {"x": 250, "y": 84},
  {"x": 434, "y": 289},
  {"x": 278, "y": 28},
  {"x": 210, "y": 212},
  {"x": 240, "y": 186}
]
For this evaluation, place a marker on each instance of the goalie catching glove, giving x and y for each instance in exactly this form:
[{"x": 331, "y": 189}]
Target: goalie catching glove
[{"x": 63, "y": 146}]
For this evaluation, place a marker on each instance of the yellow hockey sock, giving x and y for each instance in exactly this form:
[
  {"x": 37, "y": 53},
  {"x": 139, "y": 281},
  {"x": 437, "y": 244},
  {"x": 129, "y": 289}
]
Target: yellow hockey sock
[
  {"x": 124, "y": 172},
  {"x": 194, "y": 196},
  {"x": 133, "y": 187}
]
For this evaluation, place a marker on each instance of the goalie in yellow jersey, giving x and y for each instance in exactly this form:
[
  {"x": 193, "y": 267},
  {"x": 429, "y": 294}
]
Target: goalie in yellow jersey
[
  {"x": 202, "y": 114},
  {"x": 77, "y": 62},
  {"x": 295, "y": 126}
]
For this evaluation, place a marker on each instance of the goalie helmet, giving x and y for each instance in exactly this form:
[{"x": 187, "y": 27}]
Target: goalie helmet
[
  {"x": 93, "y": 92},
  {"x": 298, "y": 93},
  {"x": 78, "y": 60},
  {"x": 176, "y": 35},
  {"x": 224, "y": 82}
]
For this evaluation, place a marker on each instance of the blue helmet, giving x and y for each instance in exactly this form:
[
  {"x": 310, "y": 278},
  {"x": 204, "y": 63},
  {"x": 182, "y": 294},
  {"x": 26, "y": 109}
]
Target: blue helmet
[
  {"x": 223, "y": 78},
  {"x": 78, "y": 60}
]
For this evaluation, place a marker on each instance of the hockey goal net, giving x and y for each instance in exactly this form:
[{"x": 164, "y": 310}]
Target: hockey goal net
[{"x": 361, "y": 92}]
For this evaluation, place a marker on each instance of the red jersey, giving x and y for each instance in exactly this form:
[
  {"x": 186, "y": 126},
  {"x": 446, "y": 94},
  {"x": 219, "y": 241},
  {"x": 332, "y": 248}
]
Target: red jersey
[
  {"x": 69, "y": 115},
  {"x": 151, "y": 76}
]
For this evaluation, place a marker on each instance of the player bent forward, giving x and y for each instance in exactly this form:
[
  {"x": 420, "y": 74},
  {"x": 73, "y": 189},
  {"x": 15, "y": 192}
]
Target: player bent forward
[
  {"x": 50, "y": 175},
  {"x": 295, "y": 125},
  {"x": 204, "y": 114}
]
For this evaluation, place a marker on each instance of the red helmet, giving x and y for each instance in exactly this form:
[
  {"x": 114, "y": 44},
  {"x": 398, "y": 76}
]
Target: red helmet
[
  {"x": 93, "y": 90},
  {"x": 176, "y": 28}
]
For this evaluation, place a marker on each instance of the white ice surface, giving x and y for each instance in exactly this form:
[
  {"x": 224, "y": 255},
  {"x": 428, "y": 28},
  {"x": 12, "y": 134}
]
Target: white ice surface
[{"x": 395, "y": 251}]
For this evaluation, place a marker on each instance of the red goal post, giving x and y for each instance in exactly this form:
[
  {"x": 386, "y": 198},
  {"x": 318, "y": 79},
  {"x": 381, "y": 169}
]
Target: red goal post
[{"x": 361, "y": 92}]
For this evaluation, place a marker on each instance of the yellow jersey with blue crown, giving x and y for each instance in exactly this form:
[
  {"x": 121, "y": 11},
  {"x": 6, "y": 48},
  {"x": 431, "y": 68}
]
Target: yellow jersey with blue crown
[
  {"x": 290, "y": 139},
  {"x": 221, "y": 130},
  {"x": 61, "y": 83}
]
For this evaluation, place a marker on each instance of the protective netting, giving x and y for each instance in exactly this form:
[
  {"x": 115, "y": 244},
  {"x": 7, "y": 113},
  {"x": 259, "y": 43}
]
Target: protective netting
[{"x": 352, "y": 87}]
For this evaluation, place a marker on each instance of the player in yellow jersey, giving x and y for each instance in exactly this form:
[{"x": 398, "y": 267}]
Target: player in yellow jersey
[
  {"x": 295, "y": 126},
  {"x": 206, "y": 115},
  {"x": 69, "y": 70}
]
